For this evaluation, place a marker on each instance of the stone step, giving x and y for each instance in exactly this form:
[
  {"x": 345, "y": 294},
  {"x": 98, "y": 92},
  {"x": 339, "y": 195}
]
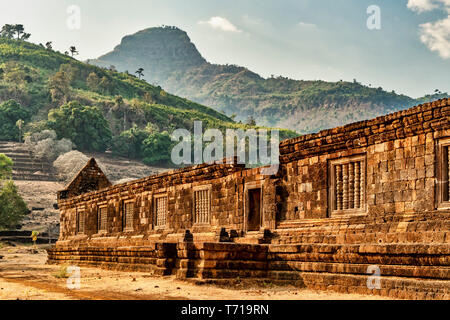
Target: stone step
[
  {"x": 14, "y": 151},
  {"x": 34, "y": 177},
  {"x": 16, "y": 158},
  {"x": 30, "y": 169}
]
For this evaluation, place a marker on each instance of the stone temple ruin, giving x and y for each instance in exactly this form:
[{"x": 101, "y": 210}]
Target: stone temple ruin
[{"x": 347, "y": 203}]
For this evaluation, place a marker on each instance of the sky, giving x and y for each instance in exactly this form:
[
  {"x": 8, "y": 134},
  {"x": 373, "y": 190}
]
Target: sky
[{"x": 401, "y": 45}]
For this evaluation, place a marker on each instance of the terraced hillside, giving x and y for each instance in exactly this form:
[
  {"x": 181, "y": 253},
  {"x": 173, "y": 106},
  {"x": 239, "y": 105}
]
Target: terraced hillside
[{"x": 26, "y": 168}]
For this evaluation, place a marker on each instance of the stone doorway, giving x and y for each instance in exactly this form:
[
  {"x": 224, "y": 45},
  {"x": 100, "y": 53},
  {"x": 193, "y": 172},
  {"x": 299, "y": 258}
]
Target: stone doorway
[{"x": 254, "y": 209}]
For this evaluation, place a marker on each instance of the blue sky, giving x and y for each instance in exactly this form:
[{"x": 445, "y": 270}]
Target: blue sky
[{"x": 300, "y": 39}]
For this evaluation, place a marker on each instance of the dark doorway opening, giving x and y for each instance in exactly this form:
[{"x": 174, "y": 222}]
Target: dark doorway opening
[{"x": 254, "y": 209}]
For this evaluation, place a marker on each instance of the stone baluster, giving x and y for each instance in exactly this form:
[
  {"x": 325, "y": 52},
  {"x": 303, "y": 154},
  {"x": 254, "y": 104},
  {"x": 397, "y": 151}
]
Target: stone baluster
[
  {"x": 357, "y": 185},
  {"x": 351, "y": 185},
  {"x": 362, "y": 183},
  {"x": 338, "y": 179},
  {"x": 448, "y": 172},
  {"x": 345, "y": 181}
]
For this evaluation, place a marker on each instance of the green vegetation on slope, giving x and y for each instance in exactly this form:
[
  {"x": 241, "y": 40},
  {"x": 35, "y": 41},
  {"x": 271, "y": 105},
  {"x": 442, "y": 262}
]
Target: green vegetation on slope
[
  {"x": 92, "y": 106},
  {"x": 304, "y": 106}
]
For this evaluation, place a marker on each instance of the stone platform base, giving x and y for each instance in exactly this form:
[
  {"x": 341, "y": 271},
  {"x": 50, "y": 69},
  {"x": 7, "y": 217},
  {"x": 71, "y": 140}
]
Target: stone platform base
[{"x": 408, "y": 271}]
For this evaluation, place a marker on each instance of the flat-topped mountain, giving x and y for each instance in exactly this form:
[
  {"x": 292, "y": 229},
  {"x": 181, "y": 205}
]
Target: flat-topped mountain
[
  {"x": 159, "y": 51},
  {"x": 171, "y": 60}
]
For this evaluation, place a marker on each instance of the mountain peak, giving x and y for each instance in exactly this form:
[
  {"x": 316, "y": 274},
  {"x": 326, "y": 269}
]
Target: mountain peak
[{"x": 159, "y": 50}]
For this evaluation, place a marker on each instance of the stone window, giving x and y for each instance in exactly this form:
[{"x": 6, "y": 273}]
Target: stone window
[
  {"x": 443, "y": 192},
  {"x": 103, "y": 219},
  {"x": 128, "y": 213},
  {"x": 347, "y": 187},
  {"x": 81, "y": 221},
  {"x": 160, "y": 210},
  {"x": 202, "y": 205}
]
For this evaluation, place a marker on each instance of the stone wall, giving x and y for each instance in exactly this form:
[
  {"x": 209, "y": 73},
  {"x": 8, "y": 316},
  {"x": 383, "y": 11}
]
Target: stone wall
[
  {"x": 226, "y": 183},
  {"x": 344, "y": 199},
  {"x": 400, "y": 163}
]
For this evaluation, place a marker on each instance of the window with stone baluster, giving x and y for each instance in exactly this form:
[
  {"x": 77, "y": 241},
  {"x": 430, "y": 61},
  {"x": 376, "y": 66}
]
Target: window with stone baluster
[
  {"x": 103, "y": 219},
  {"x": 128, "y": 215},
  {"x": 443, "y": 170},
  {"x": 81, "y": 221},
  {"x": 202, "y": 205},
  {"x": 347, "y": 186},
  {"x": 160, "y": 206}
]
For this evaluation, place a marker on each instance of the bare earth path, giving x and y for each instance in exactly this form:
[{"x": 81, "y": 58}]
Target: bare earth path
[{"x": 24, "y": 275}]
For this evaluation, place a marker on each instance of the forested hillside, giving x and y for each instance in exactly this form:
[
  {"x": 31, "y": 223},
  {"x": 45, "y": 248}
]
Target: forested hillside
[
  {"x": 95, "y": 108},
  {"x": 171, "y": 60}
]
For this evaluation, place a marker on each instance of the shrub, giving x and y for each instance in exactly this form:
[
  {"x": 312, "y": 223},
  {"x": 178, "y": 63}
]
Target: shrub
[
  {"x": 68, "y": 164},
  {"x": 10, "y": 112},
  {"x": 129, "y": 143},
  {"x": 84, "y": 125},
  {"x": 157, "y": 149},
  {"x": 62, "y": 272},
  {"x": 5, "y": 167},
  {"x": 44, "y": 145},
  {"x": 12, "y": 206}
]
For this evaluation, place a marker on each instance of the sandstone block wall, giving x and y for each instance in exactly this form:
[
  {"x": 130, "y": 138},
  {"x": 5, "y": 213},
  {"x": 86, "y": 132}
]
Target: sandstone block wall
[{"x": 399, "y": 175}]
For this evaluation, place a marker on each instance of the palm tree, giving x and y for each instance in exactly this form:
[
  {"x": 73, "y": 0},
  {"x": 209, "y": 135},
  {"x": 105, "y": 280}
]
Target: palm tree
[
  {"x": 73, "y": 50},
  {"x": 25, "y": 36},
  {"x": 140, "y": 72},
  {"x": 19, "y": 29},
  {"x": 19, "y": 125},
  {"x": 7, "y": 31}
]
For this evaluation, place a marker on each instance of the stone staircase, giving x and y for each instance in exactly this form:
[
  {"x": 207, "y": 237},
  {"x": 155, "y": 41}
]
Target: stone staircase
[{"x": 25, "y": 167}]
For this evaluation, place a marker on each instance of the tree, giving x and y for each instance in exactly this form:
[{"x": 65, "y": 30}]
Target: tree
[
  {"x": 19, "y": 125},
  {"x": 11, "y": 112},
  {"x": 118, "y": 104},
  {"x": 251, "y": 121},
  {"x": 59, "y": 86},
  {"x": 106, "y": 86},
  {"x": 157, "y": 149},
  {"x": 19, "y": 29},
  {"x": 25, "y": 36},
  {"x": 93, "y": 81},
  {"x": 129, "y": 143},
  {"x": 6, "y": 165},
  {"x": 49, "y": 45},
  {"x": 12, "y": 206},
  {"x": 7, "y": 31},
  {"x": 140, "y": 72},
  {"x": 73, "y": 50},
  {"x": 85, "y": 126}
]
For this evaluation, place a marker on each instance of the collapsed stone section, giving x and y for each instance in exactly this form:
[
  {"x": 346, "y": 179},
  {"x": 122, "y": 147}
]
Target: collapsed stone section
[{"x": 379, "y": 184}]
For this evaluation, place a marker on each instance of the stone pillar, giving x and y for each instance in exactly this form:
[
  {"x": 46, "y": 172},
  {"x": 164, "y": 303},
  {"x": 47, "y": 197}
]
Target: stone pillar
[{"x": 269, "y": 204}]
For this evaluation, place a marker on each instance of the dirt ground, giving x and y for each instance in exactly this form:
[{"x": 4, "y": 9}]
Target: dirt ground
[{"x": 25, "y": 276}]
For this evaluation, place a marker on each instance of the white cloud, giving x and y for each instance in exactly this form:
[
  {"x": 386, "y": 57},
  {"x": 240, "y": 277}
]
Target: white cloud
[
  {"x": 427, "y": 5},
  {"x": 435, "y": 35},
  {"x": 306, "y": 25},
  {"x": 221, "y": 23}
]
